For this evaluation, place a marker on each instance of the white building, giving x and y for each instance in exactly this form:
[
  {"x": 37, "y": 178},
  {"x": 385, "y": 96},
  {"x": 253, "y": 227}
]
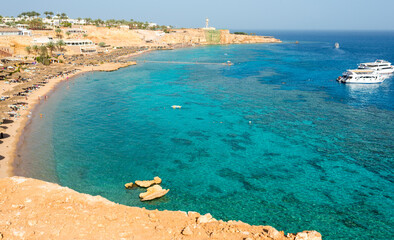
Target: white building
[
  {"x": 42, "y": 41},
  {"x": 8, "y": 19},
  {"x": 78, "y": 42},
  {"x": 52, "y": 22},
  {"x": 124, "y": 27},
  {"x": 25, "y": 32},
  {"x": 10, "y": 32},
  {"x": 76, "y": 30},
  {"x": 207, "y": 27},
  {"x": 22, "y": 25},
  {"x": 55, "y": 21}
]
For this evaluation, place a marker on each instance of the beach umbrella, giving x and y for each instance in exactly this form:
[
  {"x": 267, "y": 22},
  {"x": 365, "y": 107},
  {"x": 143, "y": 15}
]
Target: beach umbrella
[{"x": 3, "y": 116}]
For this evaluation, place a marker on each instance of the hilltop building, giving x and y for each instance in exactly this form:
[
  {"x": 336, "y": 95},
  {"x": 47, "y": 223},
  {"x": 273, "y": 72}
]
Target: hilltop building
[{"x": 207, "y": 25}]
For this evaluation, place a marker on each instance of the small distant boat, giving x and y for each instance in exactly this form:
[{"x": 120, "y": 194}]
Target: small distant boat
[
  {"x": 229, "y": 63},
  {"x": 176, "y": 107},
  {"x": 336, "y": 45}
]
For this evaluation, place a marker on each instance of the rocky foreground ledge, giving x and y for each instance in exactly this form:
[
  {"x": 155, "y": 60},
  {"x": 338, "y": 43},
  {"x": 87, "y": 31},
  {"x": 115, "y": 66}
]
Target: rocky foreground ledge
[{"x": 33, "y": 209}]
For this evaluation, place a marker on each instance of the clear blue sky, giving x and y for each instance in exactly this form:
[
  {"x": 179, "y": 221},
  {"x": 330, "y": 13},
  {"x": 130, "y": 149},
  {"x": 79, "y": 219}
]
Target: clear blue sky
[{"x": 231, "y": 14}]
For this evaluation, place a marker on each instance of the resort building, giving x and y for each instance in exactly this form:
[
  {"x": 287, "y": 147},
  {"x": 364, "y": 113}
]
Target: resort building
[
  {"x": 55, "y": 21},
  {"x": 42, "y": 41},
  {"x": 124, "y": 27},
  {"x": 76, "y": 30},
  {"x": 25, "y": 32},
  {"x": 76, "y": 21},
  {"x": 83, "y": 46},
  {"x": 17, "y": 19},
  {"x": 8, "y": 19},
  {"x": 22, "y": 25},
  {"x": 51, "y": 21},
  {"x": 78, "y": 42},
  {"x": 10, "y": 32}
]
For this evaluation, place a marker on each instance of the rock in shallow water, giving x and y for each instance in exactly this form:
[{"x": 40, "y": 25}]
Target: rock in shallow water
[
  {"x": 128, "y": 185},
  {"x": 145, "y": 184},
  {"x": 153, "y": 192}
]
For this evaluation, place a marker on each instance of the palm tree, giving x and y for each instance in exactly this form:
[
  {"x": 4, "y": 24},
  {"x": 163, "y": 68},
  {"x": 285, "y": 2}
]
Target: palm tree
[
  {"x": 60, "y": 45},
  {"x": 28, "y": 50},
  {"x": 51, "y": 47},
  {"x": 88, "y": 20},
  {"x": 48, "y": 14},
  {"x": 43, "y": 51},
  {"x": 68, "y": 34},
  {"x": 35, "y": 48},
  {"x": 58, "y": 32},
  {"x": 63, "y": 16}
]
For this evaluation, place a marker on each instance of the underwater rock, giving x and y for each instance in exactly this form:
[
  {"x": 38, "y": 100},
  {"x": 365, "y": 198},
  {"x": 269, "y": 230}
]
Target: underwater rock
[
  {"x": 153, "y": 192},
  {"x": 145, "y": 184},
  {"x": 128, "y": 185}
]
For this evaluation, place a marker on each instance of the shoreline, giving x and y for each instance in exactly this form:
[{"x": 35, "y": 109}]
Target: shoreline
[
  {"x": 184, "y": 224},
  {"x": 15, "y": 129}
]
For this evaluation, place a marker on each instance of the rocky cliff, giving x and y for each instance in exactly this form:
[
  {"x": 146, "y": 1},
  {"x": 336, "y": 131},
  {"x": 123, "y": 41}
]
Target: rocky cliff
[
  {"x": 33, "y": 209},
  {"x": 203, "y": 37}
]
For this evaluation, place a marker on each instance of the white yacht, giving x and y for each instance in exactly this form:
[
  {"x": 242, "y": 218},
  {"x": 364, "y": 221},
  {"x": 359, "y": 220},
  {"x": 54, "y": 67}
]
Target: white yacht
[
  {"x": 380, "y": 66},
  {"x": 361, "y": 76}
]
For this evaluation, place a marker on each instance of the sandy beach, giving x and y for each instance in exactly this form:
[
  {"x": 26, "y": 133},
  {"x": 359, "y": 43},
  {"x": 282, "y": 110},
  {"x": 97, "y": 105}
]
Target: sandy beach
[{"x": 14, "y": 128}]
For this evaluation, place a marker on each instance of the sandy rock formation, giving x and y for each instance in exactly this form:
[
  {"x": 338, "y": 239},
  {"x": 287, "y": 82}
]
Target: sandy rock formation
[
  {"x": 187, "y": 231},
  {"x": 33, "y": 209},
  {"x": 153, "y": 192},
  {"x": 308, "y": 235},
  {"x": 145, "y": 184},
  {"x": 129, "y": 185},
  {"x": 205, "y": 218},
  {"x": 203, "y": 37}
]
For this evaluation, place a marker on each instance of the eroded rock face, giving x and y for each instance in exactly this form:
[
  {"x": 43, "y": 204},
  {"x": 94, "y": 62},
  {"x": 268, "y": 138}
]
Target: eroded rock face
[
  {"x": 205, "y": 218},
  {"x": 187, "y": 231},
  {"x": 153, "y": 192},
  {"x": 308, "y": 235},
  {"x": 145, "y": 184},
  {"x": 33, "y": 209}
]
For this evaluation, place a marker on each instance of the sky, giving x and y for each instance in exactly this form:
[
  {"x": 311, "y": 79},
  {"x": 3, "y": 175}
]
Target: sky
[{"x": 226, "y": 14}]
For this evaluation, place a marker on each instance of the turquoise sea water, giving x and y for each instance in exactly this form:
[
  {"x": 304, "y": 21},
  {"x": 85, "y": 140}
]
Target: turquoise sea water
[{"x": 273, "y": 140}]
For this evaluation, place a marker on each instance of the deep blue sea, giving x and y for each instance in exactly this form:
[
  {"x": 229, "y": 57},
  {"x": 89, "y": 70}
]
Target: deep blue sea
[{"x": 273, "y": 140}]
